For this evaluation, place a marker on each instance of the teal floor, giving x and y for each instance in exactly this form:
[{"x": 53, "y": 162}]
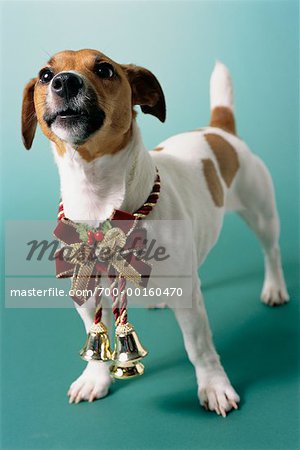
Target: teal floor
[{"x": 258, "y": 346}]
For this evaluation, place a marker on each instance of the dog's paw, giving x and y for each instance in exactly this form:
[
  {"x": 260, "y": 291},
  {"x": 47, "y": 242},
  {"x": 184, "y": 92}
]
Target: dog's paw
[
  {"x": 92, "y": 384},
  {"x": 218, "y": 395},
  {"x": 274, "y": 293}
]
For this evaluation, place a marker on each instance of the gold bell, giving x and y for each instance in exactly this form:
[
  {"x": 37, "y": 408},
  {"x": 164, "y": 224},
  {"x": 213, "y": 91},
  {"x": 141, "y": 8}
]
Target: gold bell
[
  {"x": 127, "y": 370},
  {"x": 96, "y": 346},
  {"x": 127, "y": 345}
]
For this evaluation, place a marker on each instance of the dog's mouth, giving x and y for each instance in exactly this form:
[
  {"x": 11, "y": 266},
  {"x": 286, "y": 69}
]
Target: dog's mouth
[
  {"x": 66, "y": 115},
  {"x": 71, "y": 114},
  {"x": 75, "y": 124}
]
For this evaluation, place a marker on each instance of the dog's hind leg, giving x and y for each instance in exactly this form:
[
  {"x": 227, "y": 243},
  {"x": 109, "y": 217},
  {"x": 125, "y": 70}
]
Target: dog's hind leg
[
  {"x": 95, "y": 380},
  {"x": 260, "y": 214},
  {"x": 214, "y": 389}
]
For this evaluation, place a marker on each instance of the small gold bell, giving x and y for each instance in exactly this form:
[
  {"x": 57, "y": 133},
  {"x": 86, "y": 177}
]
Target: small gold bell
[
  {"x": 123, "y": 371},
  {"x": 96, "y": 346},
  {"x": 127, "y": 345}
]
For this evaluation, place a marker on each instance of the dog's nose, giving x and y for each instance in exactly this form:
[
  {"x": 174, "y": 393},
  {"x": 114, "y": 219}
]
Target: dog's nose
[{"x": 66, "y": 84}]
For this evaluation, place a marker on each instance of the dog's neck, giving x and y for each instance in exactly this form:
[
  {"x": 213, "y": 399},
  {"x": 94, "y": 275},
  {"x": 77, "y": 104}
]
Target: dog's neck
[{"x": 92, "y": 190}]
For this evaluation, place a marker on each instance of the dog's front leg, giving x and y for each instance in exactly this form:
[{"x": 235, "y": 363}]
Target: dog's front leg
[
  {"x": 95, "y": 380},
  {"x": 214, "y": 389}
]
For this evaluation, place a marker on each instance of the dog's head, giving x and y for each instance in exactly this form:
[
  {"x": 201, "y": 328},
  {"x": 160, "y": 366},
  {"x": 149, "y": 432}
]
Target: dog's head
[{"x": 85, "y": 99}]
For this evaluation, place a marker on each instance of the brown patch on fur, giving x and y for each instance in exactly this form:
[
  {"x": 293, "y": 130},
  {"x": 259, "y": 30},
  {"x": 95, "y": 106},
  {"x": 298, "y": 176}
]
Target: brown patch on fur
[
  {"x": 131, "y": 85},
  {"x": 60, "y": 147},
  {"x": 222, "y": 117},
  {"x": 91, "y": 151},
  {"x": 28, "y": 119},
  {"x": 226, "y": 156},
  {"x": 213, "y": 182},
  {"x": 158, "y": 149}
]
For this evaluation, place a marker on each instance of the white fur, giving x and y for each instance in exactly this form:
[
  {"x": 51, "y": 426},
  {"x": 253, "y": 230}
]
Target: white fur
[
  {"x": 90, "y": 191},
  {"x": 221, "y": 93}
]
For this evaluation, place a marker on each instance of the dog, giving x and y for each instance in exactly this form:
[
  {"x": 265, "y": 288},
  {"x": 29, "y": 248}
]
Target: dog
[{"x": 84, "y": 103}]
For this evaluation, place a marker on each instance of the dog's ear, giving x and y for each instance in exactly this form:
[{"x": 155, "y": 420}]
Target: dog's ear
[
  {"x": 29, "y": 120},
  {"x": 146, "y": 91}
]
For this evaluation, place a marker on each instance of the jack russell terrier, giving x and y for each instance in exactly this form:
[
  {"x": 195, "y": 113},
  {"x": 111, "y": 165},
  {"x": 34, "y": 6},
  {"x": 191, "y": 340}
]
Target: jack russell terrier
[{"x": 83, "y": 102}]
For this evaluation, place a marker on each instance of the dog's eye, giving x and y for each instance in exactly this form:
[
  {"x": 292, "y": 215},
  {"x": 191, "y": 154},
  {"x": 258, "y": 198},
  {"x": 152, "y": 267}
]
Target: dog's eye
[
  {"x": 104, "y": 70},
  {"x": 46, "y": 75}
]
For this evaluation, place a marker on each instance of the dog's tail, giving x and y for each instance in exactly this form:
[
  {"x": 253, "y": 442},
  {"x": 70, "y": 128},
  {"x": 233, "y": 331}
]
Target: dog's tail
[{"x": 221, "y": 99}]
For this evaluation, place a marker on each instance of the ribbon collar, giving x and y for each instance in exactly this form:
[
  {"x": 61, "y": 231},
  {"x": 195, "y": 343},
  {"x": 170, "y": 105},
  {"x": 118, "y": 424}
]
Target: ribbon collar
[{"x": 111, "y": 249}]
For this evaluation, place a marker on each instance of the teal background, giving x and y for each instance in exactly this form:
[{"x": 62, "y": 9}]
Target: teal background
[{"x": 179, "y": 42}]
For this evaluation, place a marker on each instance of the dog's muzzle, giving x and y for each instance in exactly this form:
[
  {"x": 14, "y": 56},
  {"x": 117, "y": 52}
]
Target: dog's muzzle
[{"x": 73, "y": 113}]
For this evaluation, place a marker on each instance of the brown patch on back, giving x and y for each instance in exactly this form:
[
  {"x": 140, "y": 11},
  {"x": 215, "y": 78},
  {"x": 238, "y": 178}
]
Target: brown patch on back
[
  {"x": 226, "y": 156},
  {"x": 213, "y": 182},
  {"x": 222, "y": 117},
  {"x": 158, "y": 149}
]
